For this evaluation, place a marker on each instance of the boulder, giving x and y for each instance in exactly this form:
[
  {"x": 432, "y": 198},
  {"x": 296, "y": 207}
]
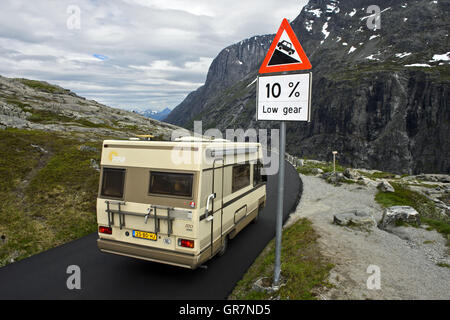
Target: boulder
[
  {"x": 326, "y": 175},
  {"x": 354, "y": 218},
  {"x": 351, "y": 174},
  {"x": 445, "y": 178},
  {"x": 367, "y": 182},
  {"x": 335, "y": 178},
  {"x": 85, "y": 148},
  {"x": 385, "y": 186},
  {"x": 42, "y": 150},
  {"x": 393, "y": 215},
  {"x": 94, "y": 165},
  {"x": 316, "y": 171}
]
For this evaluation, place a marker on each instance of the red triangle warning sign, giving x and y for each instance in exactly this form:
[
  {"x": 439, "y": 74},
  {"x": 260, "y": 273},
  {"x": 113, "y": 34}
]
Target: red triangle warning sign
[{"x": 285, "y": 53}]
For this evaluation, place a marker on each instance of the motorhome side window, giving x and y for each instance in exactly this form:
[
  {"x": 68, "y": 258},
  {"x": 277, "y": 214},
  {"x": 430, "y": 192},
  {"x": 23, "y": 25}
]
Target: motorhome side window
[
  {"x": 241, "y": 177},
  {"x": 112, "y": 182},
  {"x": 258, "y": 177},
  {"x": 174, "y": 184}
]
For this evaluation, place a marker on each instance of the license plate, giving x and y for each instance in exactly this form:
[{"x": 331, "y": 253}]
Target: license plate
[{"x": 144, "y": 235}]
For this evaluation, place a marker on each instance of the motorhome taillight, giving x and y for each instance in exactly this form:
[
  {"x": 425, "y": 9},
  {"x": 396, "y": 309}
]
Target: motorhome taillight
[
  {"x": 106, "y": 230},
  {"x": 186, "y": 243},
  {"x": 192, "y": 204}
]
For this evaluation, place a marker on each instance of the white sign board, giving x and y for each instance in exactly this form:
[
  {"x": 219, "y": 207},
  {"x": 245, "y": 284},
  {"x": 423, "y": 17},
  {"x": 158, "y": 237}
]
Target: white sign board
[{"x": 284, "y": 97}]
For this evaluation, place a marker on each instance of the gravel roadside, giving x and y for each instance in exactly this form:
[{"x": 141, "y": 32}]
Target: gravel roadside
[{"x": 406, "y": 260}]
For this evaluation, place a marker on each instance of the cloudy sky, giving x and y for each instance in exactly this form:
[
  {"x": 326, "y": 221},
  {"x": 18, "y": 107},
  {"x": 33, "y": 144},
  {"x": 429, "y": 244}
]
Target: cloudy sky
[{"x": 129, "y": 53}]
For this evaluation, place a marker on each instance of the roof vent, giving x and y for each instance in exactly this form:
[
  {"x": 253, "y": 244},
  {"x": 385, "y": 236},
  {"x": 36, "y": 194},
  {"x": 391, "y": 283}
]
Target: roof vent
[{"x": 142, "y": 137}]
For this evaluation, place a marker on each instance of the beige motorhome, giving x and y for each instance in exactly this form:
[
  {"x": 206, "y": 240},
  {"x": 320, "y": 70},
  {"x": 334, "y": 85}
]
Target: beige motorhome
[{"x": 177, "y": 202}]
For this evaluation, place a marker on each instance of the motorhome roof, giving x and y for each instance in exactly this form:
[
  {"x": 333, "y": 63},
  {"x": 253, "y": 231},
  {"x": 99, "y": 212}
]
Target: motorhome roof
[
  {"x": 203, "y": 142},
  {"x": 184, "y": 157},
  {"x": 199, "y": 139}
]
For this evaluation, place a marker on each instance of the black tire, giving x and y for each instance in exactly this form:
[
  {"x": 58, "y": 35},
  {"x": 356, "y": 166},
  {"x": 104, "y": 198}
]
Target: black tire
[{"x": 224, "y": 247}]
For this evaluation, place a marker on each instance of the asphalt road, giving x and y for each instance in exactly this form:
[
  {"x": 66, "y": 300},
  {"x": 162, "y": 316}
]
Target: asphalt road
[{"x": 108, "y": 276}]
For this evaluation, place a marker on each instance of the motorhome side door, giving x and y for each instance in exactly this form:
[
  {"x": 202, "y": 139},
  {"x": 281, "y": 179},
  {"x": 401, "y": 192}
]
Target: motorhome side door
[{"x": 216, "y": 204}]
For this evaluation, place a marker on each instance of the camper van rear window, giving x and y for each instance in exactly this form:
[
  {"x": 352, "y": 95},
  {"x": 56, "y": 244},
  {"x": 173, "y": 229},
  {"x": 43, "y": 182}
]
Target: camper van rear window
[
  {"x": 112, "y": 182},
  {"x": 241, "y": 177},
  {"x": 174, "y": 184}
]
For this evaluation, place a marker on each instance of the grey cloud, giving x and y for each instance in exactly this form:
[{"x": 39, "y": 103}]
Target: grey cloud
[{"x": 35, "y": 42}]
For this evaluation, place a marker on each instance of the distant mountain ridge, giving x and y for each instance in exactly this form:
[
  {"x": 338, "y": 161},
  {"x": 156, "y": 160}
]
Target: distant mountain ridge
[
  {"x": 379, "y": 97},
  {"x": 157, "y": 115}
]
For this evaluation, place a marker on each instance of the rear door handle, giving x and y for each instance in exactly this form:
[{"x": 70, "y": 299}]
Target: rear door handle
[{"x": 208, "y": 201}]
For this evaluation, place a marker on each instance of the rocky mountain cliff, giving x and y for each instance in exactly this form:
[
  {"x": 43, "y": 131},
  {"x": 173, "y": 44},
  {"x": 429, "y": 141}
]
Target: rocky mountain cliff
[{"x": 380, "y": 96}]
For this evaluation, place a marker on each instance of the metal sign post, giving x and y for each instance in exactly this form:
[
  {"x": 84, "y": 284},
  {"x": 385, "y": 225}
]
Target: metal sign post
[
  {"x": 334, "y": 162},
  {"x": 285, "y": 97},
  {"x": 279, "y": 218}
]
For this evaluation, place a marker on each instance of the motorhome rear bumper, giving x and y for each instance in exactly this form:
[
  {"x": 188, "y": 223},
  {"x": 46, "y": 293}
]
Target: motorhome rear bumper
[{"x": 150, "y": 254}]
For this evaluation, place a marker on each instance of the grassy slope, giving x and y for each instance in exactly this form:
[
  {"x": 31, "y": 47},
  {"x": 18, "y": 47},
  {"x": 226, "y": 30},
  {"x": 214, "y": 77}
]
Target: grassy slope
[
  {"x": 43, "y": 86},
  {"x": 303, "y": 268},
  {"x": 48, "y": 187},
  {"x": 47, "y": 198}
]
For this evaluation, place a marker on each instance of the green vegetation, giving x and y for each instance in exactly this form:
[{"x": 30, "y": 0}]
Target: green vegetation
[
  {"x": 377, "y": 175},
  {"x": 442, "y": 264},
  {"x": 445, "y": 198},
  {"x": 42, "y": 86},
  {"x": 405, "y": 197},
  {"x": 303, "y": 268},
  {"x": 45, "y": 116},
  {"x": 426, "y": 208},
  {"x": 48, "y": 117},
  {"x": 440, "y": 226},
  {"x": 309, "y": 167},
  {"x": 348, "y": 181},
  {"x": 17, "y": 102},
  {"x": 48, "y": 190},
  {"x": 400, "y": 223}
]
